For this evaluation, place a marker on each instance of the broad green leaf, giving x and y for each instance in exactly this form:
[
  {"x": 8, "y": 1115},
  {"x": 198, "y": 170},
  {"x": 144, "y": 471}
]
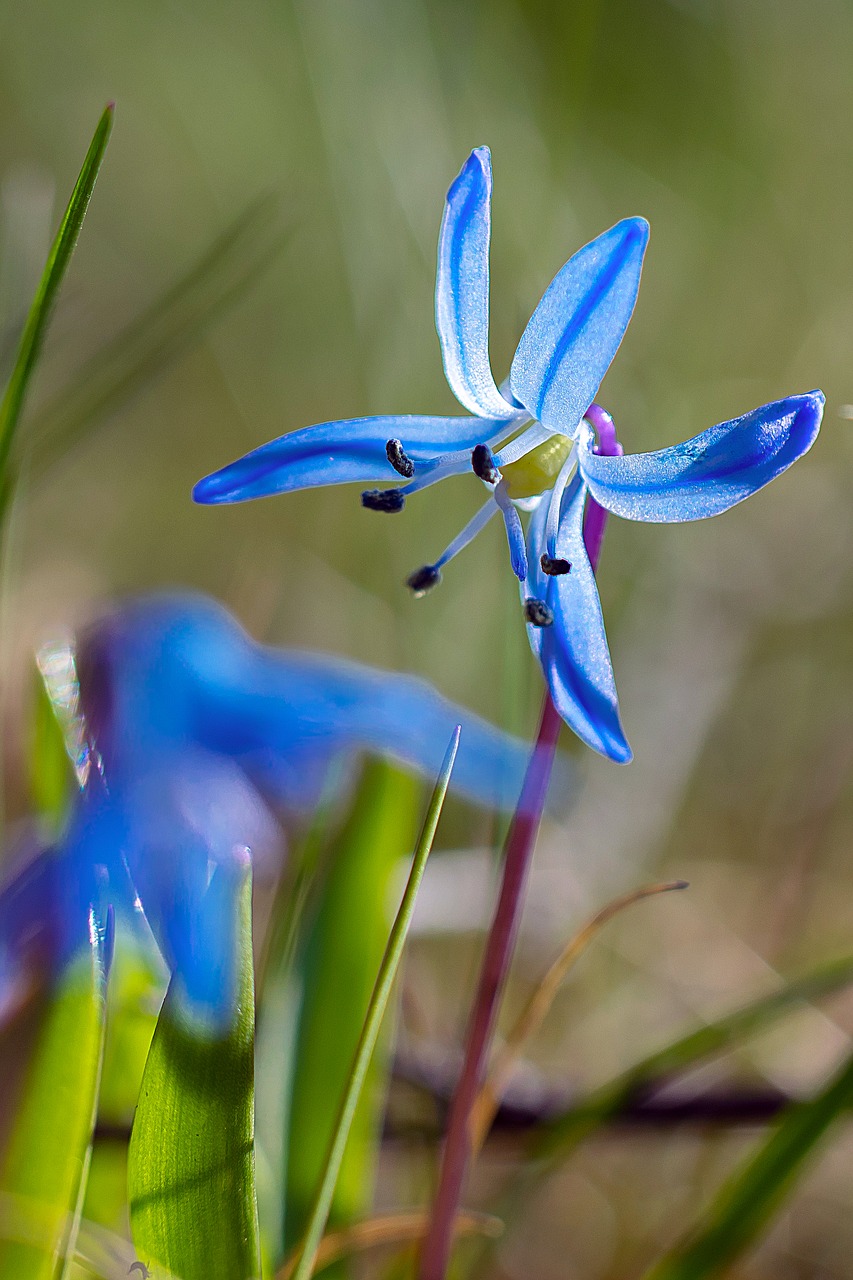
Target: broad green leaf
[
  {"x": 223, "y": 273},
  {"x": 345, "y": 943},
  {"x": 191, "y": 1171},
  {"x": 750, "y": 1198},
  {"x": 358, "y": 1072},
  {"x": 564, "y": 1133},
  {"x": 39, "y": 315},
  {"x": 277, "y": 999},
  {"x": 44, "y": 1175}
]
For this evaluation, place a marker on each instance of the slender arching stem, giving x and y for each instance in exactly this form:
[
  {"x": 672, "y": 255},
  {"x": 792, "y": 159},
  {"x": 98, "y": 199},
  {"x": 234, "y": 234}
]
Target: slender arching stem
[{"x": 518, "y": 852}]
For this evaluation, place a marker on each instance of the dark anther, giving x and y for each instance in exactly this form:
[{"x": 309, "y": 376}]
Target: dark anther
[
  {"x": 399, "y": 459},
  {"x": 554, "y": 567},
  {"x": 537, "y": 613},
  {"x": 483, "y": 462},
  {"x": 423, "y": 580},
  {"x": 383, "y": 499}
]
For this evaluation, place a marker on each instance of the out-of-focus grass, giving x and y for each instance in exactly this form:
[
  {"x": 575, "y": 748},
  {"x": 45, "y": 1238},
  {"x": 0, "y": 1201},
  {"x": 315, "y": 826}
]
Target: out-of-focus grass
[{"x": 724, "y": 124}]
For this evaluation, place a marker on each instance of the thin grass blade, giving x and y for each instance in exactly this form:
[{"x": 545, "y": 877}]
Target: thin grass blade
[
  {"x": 44, "y": 1174},
  {"x": 565, "y": 1132},
  {"x": 750, "y": 1198},
  {"x": 191, "y": 1174},
  {"x": 51, "y": 774},
  {"x": 372, "y": 1023},
  {"x": 395, "y": 1228},
  {"x": 40, "y": 311},
  {"x": 536, "y": 1010},
  {"x": 151, "y": 342}
]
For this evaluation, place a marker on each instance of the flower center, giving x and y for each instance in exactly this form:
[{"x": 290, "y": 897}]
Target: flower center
[{"x": 538, "y": 469}]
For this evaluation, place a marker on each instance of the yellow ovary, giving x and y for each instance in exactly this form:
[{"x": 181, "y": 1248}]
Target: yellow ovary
[{"x": 538, "y": 469}]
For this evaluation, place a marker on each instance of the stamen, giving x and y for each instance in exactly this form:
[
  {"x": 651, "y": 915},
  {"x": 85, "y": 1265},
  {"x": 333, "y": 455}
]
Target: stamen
[
  {"x": 423, "y": 580},
  {"x": 514, "y": 532},
  {"x": 554, "y": 565},
  {"x": 537, "y": 613},
  {"x": 555, "y": 502},
  {"x": 519, "y": 445},
  {"x": 483, "y": 463},
  {"x": 388, "y": 500},
  {"x": 399, "y": 459},
  {"x": 478, "y": 521}
]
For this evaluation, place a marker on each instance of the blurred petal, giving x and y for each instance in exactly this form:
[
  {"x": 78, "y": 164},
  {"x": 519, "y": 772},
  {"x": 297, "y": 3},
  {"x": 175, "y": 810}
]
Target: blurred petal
[
  {"x": 573, "y": 651},
  {"x": 337, "y": 452},
  {"x": 711, "y": 472},
  {"x": 190, "y": 822},
  {"x": 576, "y": 329},
  {"x": 181, "y": 670},
  {"x": 197, "y": 725},
  {"x": 462, "y": 289}
]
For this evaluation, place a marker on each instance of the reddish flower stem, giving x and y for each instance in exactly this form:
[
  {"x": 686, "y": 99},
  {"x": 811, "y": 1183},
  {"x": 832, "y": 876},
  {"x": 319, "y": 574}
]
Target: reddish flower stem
[{"x": 520, "y": 842}]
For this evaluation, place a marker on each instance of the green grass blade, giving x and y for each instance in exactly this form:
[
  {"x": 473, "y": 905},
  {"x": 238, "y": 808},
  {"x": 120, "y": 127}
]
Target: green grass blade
[
  {"x": 749, "y": 1199},
  {"x": 54, "y": 272},
  {"x": 346, "y": 938},
  {"x": 565, "y": 1132},
  {"x": 223, "y": 273},
  {"x": 51, "y": 773},
  {"x": 191, "y": 1174},
  {"x": 372, "y": 1023},
  {"x": 43, "y": 1178}
]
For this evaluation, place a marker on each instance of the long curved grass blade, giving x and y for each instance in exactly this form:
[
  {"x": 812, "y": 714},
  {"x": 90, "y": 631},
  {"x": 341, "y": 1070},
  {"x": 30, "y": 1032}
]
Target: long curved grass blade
[
  {"x": 44, "y": 1175},
  {"x": 536, "y": 1010},
  {"x": 221, "y": 275},
  {"x": 395, "y": 1228},
  {"x": 749, "y": 1199},
  {"x": 565, "y": 1132},
  {"x": 561, "y": 1135},
  {"x": 191, "y": 1174},
  {"x": 39, "y": 315},
  {"x": 346, "y": 938},
  {"x": 372, "y": 1023}
]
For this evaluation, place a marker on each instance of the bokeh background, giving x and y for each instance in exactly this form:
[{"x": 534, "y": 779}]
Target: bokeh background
[{"x": 726, "y": 125}]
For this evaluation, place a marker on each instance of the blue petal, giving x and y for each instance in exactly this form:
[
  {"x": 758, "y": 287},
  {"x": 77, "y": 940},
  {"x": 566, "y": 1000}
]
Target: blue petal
[
  {"x": 292, "y": 714},
  {"x": 573, "y": 651},
  {"x": 576, "y": 329},
  {"x": 183, "y": 672},
  {"x": 711, "y": 472},
  {"x": 462, "y": 289},
  {"x": 337, "y": 452},
  {"x": 189, "y": 821}
]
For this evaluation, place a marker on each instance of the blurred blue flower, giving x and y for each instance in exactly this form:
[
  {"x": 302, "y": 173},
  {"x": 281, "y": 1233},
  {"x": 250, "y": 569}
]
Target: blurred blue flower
[
  {"x": 196, "y": 733},
  {"x": 533, "y": 444}
]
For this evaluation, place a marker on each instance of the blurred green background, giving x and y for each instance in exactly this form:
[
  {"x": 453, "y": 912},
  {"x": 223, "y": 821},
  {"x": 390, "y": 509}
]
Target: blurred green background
[{"x": 726, "y": 125}]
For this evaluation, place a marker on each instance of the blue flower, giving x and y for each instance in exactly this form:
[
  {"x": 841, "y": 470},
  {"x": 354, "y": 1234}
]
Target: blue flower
[
  {"x": 532, "y": 442},
  {"x": 198, "y": 734}
]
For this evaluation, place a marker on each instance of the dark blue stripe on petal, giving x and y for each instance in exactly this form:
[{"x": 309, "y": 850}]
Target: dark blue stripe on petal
[
  {"x": 352, "y": 449},
  {"x": 576, "y": 329},
  {"x": 462, "y": 289},
  {"x": 710, "y": 473},
  {"x": 573, "y": 651}
]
